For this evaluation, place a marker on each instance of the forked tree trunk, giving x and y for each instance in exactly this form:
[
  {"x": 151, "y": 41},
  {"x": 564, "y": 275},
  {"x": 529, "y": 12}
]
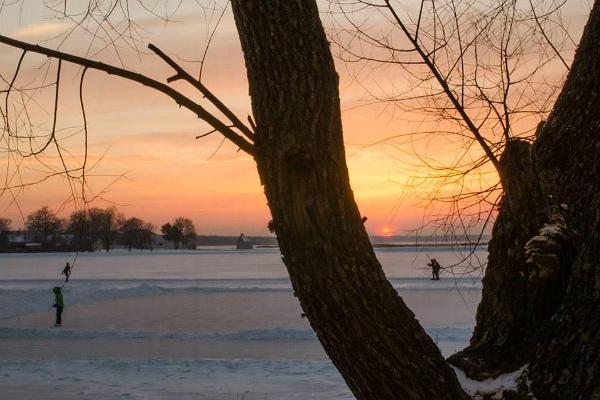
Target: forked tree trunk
[{"x": 364, "y": 326}]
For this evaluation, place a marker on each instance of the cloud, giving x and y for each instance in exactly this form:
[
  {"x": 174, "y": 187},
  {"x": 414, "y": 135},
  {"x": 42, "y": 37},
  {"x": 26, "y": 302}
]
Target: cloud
[{"x": 42, "y": 29}]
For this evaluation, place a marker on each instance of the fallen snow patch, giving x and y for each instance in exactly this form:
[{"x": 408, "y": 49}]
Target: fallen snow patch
[{"x": 493, "y": 387}]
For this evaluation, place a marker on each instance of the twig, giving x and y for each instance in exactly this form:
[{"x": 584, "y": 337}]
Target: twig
[
  {"x": 179, "y": 98},
  {"x": 182, "y": 74}
]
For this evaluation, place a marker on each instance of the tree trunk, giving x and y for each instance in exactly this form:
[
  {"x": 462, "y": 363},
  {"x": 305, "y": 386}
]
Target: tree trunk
[
  {"x": 364, "y": 326},
  {"x": 518, "y": 295},
  {"x": 567, "y": 151},
  {"x": 556, "y": 323}
]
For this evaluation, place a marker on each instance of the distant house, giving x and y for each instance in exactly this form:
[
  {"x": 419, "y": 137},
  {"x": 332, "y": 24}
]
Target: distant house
[
  {"x": 244, "y": 243},
  {"x": 33, "y": 246},
  {"x": 16, "y": 239},
  {"x": 21, "y": 241},
  {"x": 35, "y": 241}
]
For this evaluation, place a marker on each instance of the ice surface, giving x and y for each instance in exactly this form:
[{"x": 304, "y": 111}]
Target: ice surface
[
  {"x": 191, "y": 325},
  {"x": 172, "y": 379}
]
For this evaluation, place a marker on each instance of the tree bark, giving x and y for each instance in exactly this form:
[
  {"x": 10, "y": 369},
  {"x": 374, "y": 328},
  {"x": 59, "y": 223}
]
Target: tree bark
[
  {"x": 555, "y": 328},
  {"x": 567, "y": 152},
  {"x": 518, "y": 296},
  {"x": 364, "y": 326}
]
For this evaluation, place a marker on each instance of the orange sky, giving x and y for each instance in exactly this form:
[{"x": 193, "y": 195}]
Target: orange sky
[{"x": 167, "y": 173}]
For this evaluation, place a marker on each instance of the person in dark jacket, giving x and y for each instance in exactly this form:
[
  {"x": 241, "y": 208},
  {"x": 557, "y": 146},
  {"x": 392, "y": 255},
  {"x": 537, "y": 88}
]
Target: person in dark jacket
[
  {"x": 66, "y": 272},
  {"x": 435, "y": 269},
  {"x": 58, "y": 304}
]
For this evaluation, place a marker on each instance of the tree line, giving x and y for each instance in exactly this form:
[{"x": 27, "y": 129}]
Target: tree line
[{"x": 95, "y": 229}]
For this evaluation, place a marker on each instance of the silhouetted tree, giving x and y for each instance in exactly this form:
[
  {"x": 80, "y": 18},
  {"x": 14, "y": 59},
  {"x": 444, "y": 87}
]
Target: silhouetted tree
[
  {"x": 5, "y": 224},
  {"x": 172, "y": 233},
  {"x": 80, "y": 228},
  {"x": 366, "y": 329},
  {"x": 475, "y": 74},
  {"x": 44, "y": 225},
  {"x": 94, "y": 226},
  {"x": 135, "y": 233},
  {"x": 549, "y": 273},
  {"x": 188, "y": 232},
  {"x": 477, "y": 62},
  {"x": 105, "y": 225},
  {"x": 364, "y": 326},
  {"x": 4, "y": 229},
  {"x": 181, "y": 232}
]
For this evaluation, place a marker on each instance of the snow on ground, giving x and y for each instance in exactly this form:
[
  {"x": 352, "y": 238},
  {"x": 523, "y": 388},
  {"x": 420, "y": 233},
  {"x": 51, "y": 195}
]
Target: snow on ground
[
  {"x": 171, "y": 379},
  {"x": 199, "y": 325},
  {"x": 223, "y": 345},
  {"x": 490, "y": 387}
]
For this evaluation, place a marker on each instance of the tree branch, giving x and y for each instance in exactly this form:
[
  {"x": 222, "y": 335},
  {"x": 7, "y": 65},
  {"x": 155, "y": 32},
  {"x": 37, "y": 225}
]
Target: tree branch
[
  {"x": 10, "y": 86},
  {"x": 543, "y": 32},
  {"x": 182, "y": 74},
  {"x": 179, "y": 98},
  {"x": 444, "y": 84}
]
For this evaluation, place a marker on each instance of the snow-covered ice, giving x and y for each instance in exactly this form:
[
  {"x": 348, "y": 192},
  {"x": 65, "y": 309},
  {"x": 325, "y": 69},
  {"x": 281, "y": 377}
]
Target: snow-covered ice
[{"x": 190, "y": 325}]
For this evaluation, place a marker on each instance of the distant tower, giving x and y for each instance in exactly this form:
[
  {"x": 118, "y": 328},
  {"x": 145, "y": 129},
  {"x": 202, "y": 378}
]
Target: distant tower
[{"x": 244, "y": 243}]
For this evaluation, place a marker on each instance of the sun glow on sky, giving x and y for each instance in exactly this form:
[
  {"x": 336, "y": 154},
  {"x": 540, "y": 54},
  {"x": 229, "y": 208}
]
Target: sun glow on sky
[
  {"x": 147, "y": 162},
  {"x": 386, "y": 231}
]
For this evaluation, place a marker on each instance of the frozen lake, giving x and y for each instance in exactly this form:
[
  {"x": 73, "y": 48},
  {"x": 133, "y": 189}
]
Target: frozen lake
[{"x": 216, "y": 323}]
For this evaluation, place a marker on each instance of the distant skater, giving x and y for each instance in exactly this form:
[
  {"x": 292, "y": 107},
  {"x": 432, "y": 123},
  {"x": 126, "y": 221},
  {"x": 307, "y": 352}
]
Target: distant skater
[
  {"x": 58, "y": 304},
  {"x": 66, "y": 272},
  {"x": 435, "y": 269}
]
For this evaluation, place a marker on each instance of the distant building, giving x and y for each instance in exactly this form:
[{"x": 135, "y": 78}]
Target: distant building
[
  {"x": 33, "y": 246},
  {"x": 17, "y": 237},
  {"x": 35, "y": 241},
  {"x": 244, "y": 243}
]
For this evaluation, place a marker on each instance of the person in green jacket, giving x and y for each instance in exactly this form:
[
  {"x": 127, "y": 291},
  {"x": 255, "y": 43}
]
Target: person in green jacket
[{"x": 58, "y": 304}]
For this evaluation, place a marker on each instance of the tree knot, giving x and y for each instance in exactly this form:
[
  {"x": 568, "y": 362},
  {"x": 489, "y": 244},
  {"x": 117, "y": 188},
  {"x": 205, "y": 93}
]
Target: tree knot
[{"x": 543, "y": 251}]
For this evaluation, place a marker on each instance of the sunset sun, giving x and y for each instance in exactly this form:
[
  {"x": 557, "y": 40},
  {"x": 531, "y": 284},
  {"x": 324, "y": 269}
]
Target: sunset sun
[{"x": 386, "y": 231}]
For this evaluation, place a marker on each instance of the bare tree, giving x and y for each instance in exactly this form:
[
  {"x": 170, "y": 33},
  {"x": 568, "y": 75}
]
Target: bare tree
[
  {"x": 44, "y": 225},
  {"x": 4, "y": 229},
  {"x": 188, "y": 232},
  {"x": 180, "y": 232},
  {"x": 471, "y": 75},
  {"x": 80, "y": 229},
  {"x": 295, "y": 137},
  {"x": 95, "y": 227},
  {"x": 483, "y": 74},
  {"x": 136, "y": 233},
  {"x": 105, "y": 224},
  {"x": 297, "y": 144},
  {"x": 37, "y": 149},
  {"x": 5, "y": 224}
]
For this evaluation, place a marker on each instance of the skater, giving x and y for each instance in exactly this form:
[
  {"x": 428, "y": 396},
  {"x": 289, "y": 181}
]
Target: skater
[
  {"x": 435, "y": 269},
  {"x": 58, "y": 304},
  {"x": 66, "y": 272}
]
